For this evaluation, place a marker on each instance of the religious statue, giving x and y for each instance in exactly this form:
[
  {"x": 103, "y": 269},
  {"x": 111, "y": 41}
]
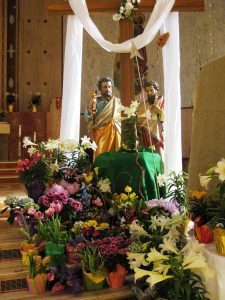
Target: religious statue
[
  {"x": 103, "y": 111},
  {"x": 151, "y": 118}
]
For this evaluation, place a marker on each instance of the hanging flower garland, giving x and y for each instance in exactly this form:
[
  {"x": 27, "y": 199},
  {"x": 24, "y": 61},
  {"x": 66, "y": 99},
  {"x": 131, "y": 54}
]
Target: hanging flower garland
[{"x": 126, "y": 10}]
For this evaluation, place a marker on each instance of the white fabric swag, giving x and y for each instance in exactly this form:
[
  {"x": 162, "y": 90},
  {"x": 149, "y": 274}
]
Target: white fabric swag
[{"x": 70, "y": 121}]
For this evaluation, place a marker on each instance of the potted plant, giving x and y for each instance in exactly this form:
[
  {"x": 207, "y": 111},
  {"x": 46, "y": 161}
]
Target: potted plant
[
  {"x": 35, "y": 100},
  {"x": 37, "y": 277},
  {"x": 10, "y": 100},
  {"x": 214, "y": 179},
  {"x": 92, "y": 267},
  {"x": 113, "y": 252},
  {"x": 198, "y": 205},
  {"x": 55, "y": 236}
]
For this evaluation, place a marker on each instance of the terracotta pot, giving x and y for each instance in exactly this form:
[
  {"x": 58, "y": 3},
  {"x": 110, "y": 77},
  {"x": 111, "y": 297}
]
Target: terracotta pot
[
  {"x": 202, "y": 232},
  {"x": 116, "y": 279},
  {"x": 37, "y": 285},
  {"x": 219, "y": 237}
]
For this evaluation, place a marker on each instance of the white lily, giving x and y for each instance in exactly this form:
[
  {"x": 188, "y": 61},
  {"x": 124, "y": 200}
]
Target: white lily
[
  {"x": 155, "y": 255},
  {"x": 220, "y": 169},
  {"x": 68, "y": 145},
  {"x": 31, "y": 150},
  {"x": 136, "y": 259},
  {"x": 27, "y": 142},
  {"x": 85, "y": 142},
  {"x": 204, "y": 181},
  {"x": 169, "y": 245},
  {"x": 153, "y": 278},
  {"x": 52, "y": 144},
  {"x": 137, "y": 230}
]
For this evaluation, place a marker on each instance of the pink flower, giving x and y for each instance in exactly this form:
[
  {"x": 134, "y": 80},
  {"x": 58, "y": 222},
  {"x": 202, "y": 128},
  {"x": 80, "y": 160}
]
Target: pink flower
[
  {"x": 75, "y": 204},
  {"x": 97, "y": 202},
  {"x": 57, "y": 288},
  {"x": 39, "y": 215},
  {"x": 44, "y": 200},
  {"x": 31, "y": 211},
  {"x": 50, "y": 211},
  {"x": 56, "y": 188},
  {"x": 72, "y": 188},
  {"x": 56, "y": 205}
]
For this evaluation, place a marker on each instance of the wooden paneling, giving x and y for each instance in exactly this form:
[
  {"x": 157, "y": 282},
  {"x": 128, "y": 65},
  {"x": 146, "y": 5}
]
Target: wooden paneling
[
  {"x": 63, "y": 8},
  {"x": 30, "y": 123},
  {"x": 40, "y": 53},
  {"x": 3, "y": 41},
  {"x": 186, "y": 124}
]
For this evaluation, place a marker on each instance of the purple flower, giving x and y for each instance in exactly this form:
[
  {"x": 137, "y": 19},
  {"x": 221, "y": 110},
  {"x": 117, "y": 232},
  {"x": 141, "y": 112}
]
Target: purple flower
[{"x": 170, "y": 206}]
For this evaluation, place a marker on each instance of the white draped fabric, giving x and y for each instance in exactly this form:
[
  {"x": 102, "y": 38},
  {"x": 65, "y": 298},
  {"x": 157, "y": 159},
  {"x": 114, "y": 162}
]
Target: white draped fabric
[
  {"x": 72, "y": 71},
  {"x": 171, "y": 70},
  {"x": 159, "y": 14},
  {"x": 70, "y": 119}
]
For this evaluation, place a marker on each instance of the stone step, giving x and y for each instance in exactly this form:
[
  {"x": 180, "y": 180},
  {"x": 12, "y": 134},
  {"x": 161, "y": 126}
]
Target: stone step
[
  {"x": 14, "y": 269},
  {"x": 8, "y": 172},
  {"x": 8, "y": 164},
  {"x": 106, "y": 294},
  {"x": 9, "y": 179}
]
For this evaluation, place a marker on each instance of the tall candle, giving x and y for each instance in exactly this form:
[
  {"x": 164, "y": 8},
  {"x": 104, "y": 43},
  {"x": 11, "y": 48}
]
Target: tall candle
[
  {"x": 35, "y": 135},
  {"x": 19, "y": 130}
]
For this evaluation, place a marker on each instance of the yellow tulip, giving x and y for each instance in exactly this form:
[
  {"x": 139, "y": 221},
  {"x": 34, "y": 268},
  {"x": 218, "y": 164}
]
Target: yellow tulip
[
  {"x": 128, "y": 189},
  {"x": 96, "y": 170}
]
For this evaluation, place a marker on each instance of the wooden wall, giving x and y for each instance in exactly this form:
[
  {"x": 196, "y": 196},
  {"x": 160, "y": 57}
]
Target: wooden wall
[
  {"x": 40, "y": 53},
  {"x": 3, "y": 32}
]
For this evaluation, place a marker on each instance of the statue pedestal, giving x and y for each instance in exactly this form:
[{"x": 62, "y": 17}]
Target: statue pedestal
[{"x": 121, "y": 168}]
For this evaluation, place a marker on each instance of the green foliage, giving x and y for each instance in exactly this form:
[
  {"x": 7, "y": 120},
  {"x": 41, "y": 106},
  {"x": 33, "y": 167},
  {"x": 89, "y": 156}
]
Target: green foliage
[
  {"x": 176, "y": 188},
  {"x": 51, "y": 230},
  {"x": 91, "y": 260},
  {"x": 39, "y": 171}
]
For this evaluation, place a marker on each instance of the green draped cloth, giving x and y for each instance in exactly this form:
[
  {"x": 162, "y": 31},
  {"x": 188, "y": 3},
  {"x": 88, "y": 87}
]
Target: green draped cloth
[{"x": 121, "y": 168}]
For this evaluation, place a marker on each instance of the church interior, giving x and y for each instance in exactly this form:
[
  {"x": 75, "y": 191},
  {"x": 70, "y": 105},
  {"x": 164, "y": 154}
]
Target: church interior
[{"x": 33, "y": 74}]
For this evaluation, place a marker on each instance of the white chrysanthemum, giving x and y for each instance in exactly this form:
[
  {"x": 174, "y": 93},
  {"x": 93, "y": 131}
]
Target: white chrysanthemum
[
  {"x": 204, "y": 181},
  {"x": 104, "y": 185},
  {"x": 27, "y": 142},
  {"x": 220, "y": 169}
]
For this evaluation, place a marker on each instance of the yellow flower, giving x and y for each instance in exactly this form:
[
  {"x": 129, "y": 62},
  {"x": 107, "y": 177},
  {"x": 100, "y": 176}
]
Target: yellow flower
[
  {"x": 90, "y": 223},
  {"x": 198, "y": 194},
  {"x": 104, "y": 226},
  {"x": 46, "y": 260},
  {"x": 132, "y": 196},
  {"x": 123, "y": 196},
  {"x": 128, "y": 189},
  {"x": 89, "y": 177},
  {"x": 96, "y": 170},
  {"x": 38, "y": 259}
]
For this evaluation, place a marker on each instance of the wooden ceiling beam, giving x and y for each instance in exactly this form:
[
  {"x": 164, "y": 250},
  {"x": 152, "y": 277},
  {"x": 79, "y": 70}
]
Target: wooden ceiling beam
[{"x": 111, "y": 6}]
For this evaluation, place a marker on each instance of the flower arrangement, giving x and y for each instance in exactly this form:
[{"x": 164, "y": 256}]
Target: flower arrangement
[
  {"x": 126, "y": 10},
  {"x": 162, "y": 258},
  {"x": 35, "y": 98},
  {"x": 209, "y": 207}
]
